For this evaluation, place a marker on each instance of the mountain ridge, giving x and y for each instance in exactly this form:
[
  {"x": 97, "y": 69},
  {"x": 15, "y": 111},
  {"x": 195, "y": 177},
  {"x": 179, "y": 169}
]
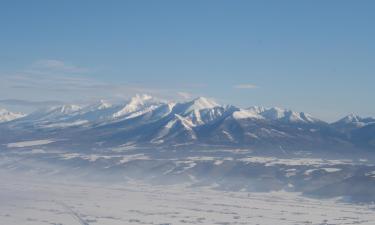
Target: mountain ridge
[{"x": 147, "y": 121}]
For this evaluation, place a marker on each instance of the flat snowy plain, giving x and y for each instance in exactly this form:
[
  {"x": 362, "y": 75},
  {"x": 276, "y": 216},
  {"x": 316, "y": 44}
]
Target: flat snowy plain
[{"x": 35, "y": 201}]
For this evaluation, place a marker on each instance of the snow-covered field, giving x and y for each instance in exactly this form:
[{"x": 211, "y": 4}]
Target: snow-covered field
[
  {"x": 23, "y": 144},
  {"x": 36, "y": 201}
]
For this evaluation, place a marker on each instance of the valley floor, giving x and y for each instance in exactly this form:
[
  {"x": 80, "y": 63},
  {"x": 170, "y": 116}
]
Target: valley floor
[{"x": 29, "y": 201}]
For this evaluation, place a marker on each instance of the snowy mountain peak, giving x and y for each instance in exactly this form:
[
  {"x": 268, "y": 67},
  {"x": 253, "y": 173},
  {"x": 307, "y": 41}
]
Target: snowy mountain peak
[
  {"x": 100, "y": 105},
  {"x": 140, "y": 99},
  {"x": 6, "y": 115},
  {"x": 205, "y": 102},
  {"x": 144, "y": 120},
  {"x": 351, "y": 118},
  {"x": 103, "y": 104},
  {"x": 355, "y": 120},
  {"x": 136, "y": 103},
  {"x": 65, "y": 109},
  {"x": 257, "y": 109},
  {"x": 250, "y": 113},
  {"x": 274, "y": 113},
  {"x": 308, "y": 117},
  {"x": 201, "y": 103}
]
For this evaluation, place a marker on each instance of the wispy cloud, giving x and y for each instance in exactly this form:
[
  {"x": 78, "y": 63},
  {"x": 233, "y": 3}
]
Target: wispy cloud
[
  {"x": 57, "y": 65},
  {"x": 19, "y": 102},
  {"x": 245, "y": 86},
  {"x": 185, "y": 95},
  {"x": 46, "y": 80}
]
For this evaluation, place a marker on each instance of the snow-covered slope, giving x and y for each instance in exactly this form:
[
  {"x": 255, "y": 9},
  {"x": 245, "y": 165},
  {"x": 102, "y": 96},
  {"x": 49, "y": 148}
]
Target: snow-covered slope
[
  {"x": 144, "y": 120},
  {"x": 55, "y": 113},
  {"x": 200, "y": 103},
  {"x": 175, "y": 130},
  {"x": 96, "y": 113},
  {"x": 196, "y": 105},
  {"x": 136, "y": 104},
  {"x": 6, "y": 116},
  {"x": 352, "y": 120},
  {"x": 250, "y": 113},
  {"x": 274, "y": 113}
]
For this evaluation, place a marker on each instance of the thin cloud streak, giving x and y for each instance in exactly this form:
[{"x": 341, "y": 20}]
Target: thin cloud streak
[
  {"x": 245, "y": 86},
  {"x": 19, "y": 102},
  {"x": 184, "y": 95},
  {"x": 47, "y": 80},
  {"x": 58, "y": 65}
]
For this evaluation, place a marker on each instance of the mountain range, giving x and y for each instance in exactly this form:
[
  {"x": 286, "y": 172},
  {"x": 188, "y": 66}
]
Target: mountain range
[{"x": 148, "y": 122}]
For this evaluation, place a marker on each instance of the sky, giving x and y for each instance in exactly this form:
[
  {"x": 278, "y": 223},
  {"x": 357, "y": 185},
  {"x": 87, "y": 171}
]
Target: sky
[{"x": 311, "y": 56}]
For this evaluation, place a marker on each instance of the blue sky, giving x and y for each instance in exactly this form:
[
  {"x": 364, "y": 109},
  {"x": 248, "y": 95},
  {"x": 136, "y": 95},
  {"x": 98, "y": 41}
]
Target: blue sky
[{"x": 312, "y": 56}]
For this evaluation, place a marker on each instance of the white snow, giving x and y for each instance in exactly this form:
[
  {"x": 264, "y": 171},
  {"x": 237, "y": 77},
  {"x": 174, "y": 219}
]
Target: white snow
[
  {"x": 371, "y": 174},
  {"x": 186, "y": 124},
  {"x": 291, "y": 172},
  {"x": 201, "y": 103},
  {"x": 274, "y": 113},
  {"x": 27, "y": 200},
  {"x": 136, "y": 103},
  {"x": 6, "y": 116},
  {"x": 228, "y": 135},
  {"x": 129, "y": 158},
  {"x": 103, "y": 104},
  {"x": 23, "y": 144},
  {"x": 331, "y": 170},
  {"x": 356, "y": 120},
  {"x": 272, "y": 161},
  {"x": 141, "y": 112},
  {"x": 351, "y": 118},
  {"x": 65, "y": 109},
  {"x": 328, "y": 170},
  {"x": 66, "y": 124},
  {"x": 247, "y": 113}
]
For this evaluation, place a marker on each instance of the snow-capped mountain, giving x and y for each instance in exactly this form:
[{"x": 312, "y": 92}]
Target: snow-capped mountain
[
  {"x": 6, "y": 116},
  {"x": 138, "y": 104},
  {"x": 197, "y": 105},
  {"x": 353, "y": 121},
  {"x": 198, "y": 141},
  {"x": 359, "y": 130},
  {"x": 147, "y": 121},
  {"x": 275, "y": 113}
]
